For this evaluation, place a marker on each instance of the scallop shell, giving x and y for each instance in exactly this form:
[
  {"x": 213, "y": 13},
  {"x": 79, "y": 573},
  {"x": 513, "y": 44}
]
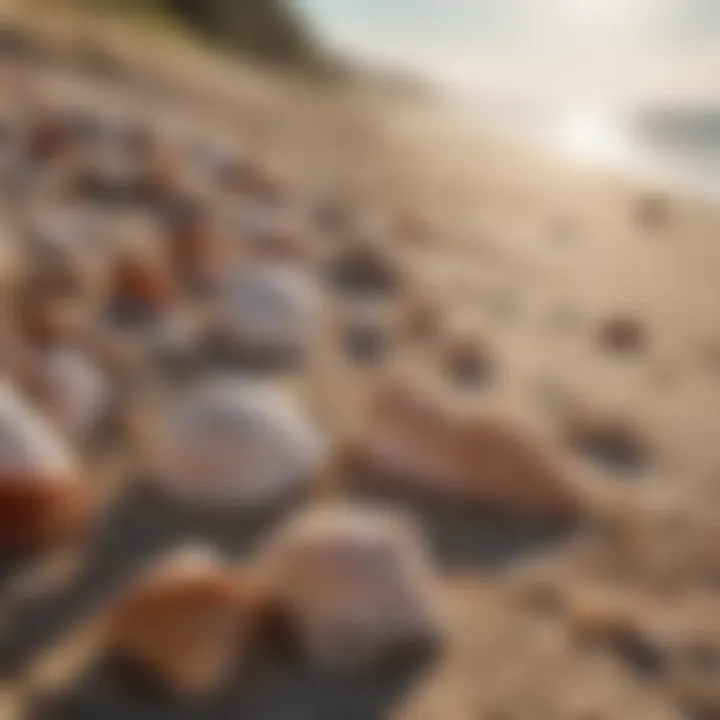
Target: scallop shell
[
  {"x": 77, "y": 391},
  {"x": 356, "y": 584},
  {"x": 235, "y": 444},
  {"x": 185, "y": 622},
  {"x": 270, "y": 308}
]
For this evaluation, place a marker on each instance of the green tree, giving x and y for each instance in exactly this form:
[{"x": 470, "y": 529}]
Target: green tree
[{"x": 270, "y": 29}]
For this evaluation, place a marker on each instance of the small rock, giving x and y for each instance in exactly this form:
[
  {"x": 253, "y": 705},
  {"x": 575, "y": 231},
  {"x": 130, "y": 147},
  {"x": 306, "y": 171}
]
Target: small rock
[
  {"x": 196, "y": 250},
  {"x": 653, "y": 211},
  {"x": 614, "y": 442},
  {"x": 233, "y": 445},
  {"x": 609, "y": 621},
  {"x": 355, "y": 585},
  {"x": 622, "y": 334},
  {"x": 365, "y": 342},
  {"x": 366, "y": 334},
  {"x": 140, "y": 288},
  {"x": 365, "y": 269},
  {"x": 420, "y": 319},
  {"x": 467, "y": 362}
]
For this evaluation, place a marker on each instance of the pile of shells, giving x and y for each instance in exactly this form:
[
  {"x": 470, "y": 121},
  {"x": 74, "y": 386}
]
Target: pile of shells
[{"x": 179, "y": 283}]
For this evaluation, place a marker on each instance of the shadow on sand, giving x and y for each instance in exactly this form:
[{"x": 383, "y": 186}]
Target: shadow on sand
[
  {"x": 273, "y": 688},
  {"x": 277, "y": 685}
]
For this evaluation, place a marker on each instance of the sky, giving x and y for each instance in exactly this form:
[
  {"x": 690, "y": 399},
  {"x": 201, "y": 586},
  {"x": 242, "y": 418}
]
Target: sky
[{"x": 608, "y": 48}]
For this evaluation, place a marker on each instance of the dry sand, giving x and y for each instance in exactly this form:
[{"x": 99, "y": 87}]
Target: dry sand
[{"x": 530, "y": 257}]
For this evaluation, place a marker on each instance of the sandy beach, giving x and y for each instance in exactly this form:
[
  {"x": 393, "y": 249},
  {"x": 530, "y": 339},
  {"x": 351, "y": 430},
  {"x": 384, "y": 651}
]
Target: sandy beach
[{"x": 590, "y": 298}]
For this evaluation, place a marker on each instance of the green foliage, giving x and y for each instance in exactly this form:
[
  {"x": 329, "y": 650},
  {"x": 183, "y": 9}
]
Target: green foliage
[
  {"x": 269, "y": 29},
  {"x": 272, "y": 30}
]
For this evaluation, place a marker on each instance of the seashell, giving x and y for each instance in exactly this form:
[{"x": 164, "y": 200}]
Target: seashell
[
  {"x": 42, "y": 497},
  {"x": 196, "y": 250},
  {"x": 46, "y": 321},
  {"x": 232, "y": 444},
  {"x": 186, "y": 622},
  {"x": 62, "y": 259},
  {"x": 354, "y": 584},
  {"x": 140, "y": 286},
  {"x": 75, "y": 391},
  {"x": 270, "y": 309},
  {"x": 414, "y": 441}
]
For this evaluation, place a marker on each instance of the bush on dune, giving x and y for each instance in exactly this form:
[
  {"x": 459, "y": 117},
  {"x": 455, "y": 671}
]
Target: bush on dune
[{"x": 270, "y": 29}]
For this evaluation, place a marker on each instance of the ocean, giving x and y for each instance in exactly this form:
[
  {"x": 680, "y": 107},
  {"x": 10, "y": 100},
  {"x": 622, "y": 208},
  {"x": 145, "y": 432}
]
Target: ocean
[{"x": 671, "y": 140}]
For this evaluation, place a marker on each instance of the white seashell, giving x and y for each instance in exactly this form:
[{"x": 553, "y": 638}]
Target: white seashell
[
  {"x": 235, "y": 444},
  {"x": 43, "y": 500},
  {"x": 77, "y": 391},
  {"x": 29, "y": 448},
  {"x": 355, "y": 582},
  {"x": 270, "y": 308}
]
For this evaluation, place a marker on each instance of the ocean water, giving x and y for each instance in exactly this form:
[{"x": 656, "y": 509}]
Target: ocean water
[
  {"x": 673, "y": 143},
  {"x": 668, "y": 140},
  {"x": 676, "y": 143}
]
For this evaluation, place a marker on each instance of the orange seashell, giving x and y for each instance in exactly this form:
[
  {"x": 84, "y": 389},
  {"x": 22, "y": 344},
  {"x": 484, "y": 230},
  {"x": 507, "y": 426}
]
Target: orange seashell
[
  {"x": 185, "y": 623},
  {"x": 418, "y": 443},
  {"x": 38, "y": 512},
  {"x": 43, "y": 499},
  {"x": 138, "y": 279}
]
